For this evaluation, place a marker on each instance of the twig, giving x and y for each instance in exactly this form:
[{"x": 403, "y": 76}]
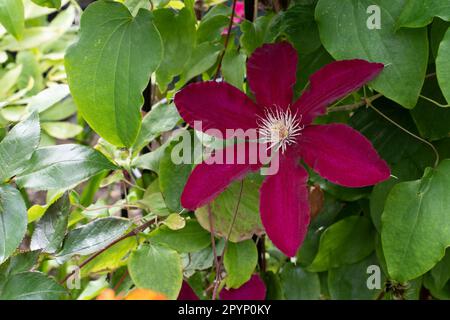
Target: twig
[
  {"x": 213, "y": 244},
  {"x": 407, "y": 131},
  {"x": 434, "y": 102},
  {"x": 132, "y": 233},
  {"x": 233, "y": 221},
  {"x": 131, "y": 206},
  {"x": 353, "y": 106},
  {"x": 122, "y": 278},
  {"x": 227, "y": 39}
]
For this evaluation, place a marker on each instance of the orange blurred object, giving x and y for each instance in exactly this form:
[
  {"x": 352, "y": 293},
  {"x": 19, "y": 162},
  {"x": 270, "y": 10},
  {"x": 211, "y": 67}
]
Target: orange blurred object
[{"x": 136, "y": 294}]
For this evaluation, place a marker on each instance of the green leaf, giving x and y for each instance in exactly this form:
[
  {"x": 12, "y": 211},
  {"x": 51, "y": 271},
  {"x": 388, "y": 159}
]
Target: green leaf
[
  {"x": 62, "y": 166},
  {"x": 17, "y": 148},
  {"x": 62, "y": 130},
  {"x": 443, "y": 66},
  {"x": 162, "y": 118},
  {"x": 202, "y": 59},
  {"x": 434, "y": 288},
  {"x": 345, "y": 35},
  {"x": 210, "y": 29},
  {"x": 240, "y": 261},
  {"x": 13, "y": 220},
  {"x": 110, "y": 66},
  {"x": 157, "y": 268},
  {"x": 349, "y": 282},
  {"x": 172, "y": 176},
  {"x": 256, "y": 34},
  {"x": 31, "y": 286},
  {"x": 59, "y": 111},
  {"x": 441, "y": 272},
  {"x": 50, "y": 230},
  {"x": 18, "y": 263},
  {"x": 33, "y": 37},
  {"x": 273, "y": 286},
  {"x": 298, "y": 25},
  {"x": 415, "y": 222},
  {"x": 345, "y": 242},
  {"x": 201, "y": 260},
  {"x": 30, "y": 69},
  {"x": 224, "y": 206},
  {"x": 437, "y": 32},
  {"x": 299, "y": 284},
  {"x": 12, "y": 17},
  {"x": 178, "y": 34},
  {"x": 111, "y": 259},
  {"x": 47, "y": 98},
  {"x": 48, "y": 3},
  {"x": 233, "y": 67},
  {"x": 8, "y": 80},
  {"x": 92, "y": 237},
  {"x": 191, "y": 238},
  {"x": 419, "y": 13}
]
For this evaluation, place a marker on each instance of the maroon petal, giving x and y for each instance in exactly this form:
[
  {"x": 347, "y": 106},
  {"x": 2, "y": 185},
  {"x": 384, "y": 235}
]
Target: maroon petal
[
  {"x": 218, "y": 105},
  {"x": 284, "y": 206},
  {"x": 271, "y": 74},
  {"x": 186, "y": 292},
  {"x": 253, "y": 289},
  {"x": 208, "y": 180},
  {"x": 333, "y": 82},
  {"x": 342, "y": 155}
]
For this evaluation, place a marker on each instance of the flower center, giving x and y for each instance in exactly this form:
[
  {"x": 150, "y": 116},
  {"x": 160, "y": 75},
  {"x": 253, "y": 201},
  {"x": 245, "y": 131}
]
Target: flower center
[{"x": 279, "y": 128}]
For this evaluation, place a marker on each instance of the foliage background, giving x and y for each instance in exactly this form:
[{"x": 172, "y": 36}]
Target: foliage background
[{"x": 105, "y": 196}]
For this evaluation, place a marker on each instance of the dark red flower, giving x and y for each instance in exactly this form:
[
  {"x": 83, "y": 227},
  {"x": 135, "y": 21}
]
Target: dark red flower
[
  {"x": 335, "y": 151},
  {"x": 253, "y": 289}
]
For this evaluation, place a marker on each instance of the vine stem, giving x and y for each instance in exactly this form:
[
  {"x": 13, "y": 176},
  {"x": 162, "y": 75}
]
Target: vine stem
[
  {"x": 227, "y": 39},
  {"x": 435, "y": 102},
  {"x": 129, "y": 206},
  {"x": 213, "y": 245},
  {"x": 353, "y": 106},
  {"x": 219, "y": 263},
  {"x": 132, "y": 233},
  {"x": 369, "y": 103}
]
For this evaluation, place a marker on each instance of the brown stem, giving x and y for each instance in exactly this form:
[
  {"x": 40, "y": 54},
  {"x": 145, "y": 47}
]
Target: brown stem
[
  {"x": 227, "y": 39},
  {"x": 353, "y": 106},
  {"x": 233, "y": 221},
  {"x": 213, "y": 244},
  {"x": 122, "y": 278},
  {"x": 132, "y": 233}
]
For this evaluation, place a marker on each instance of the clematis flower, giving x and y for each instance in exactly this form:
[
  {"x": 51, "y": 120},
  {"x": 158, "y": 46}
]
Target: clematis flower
[{"x": 337, "y": 152}]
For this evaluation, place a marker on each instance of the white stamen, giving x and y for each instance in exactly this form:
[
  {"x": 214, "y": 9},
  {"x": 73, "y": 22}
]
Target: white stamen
[{"x": 279, "y": 128}]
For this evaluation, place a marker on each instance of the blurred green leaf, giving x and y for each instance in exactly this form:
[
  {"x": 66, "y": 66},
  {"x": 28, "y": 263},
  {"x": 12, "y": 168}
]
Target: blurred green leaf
[{"x": 12, "y": 17}]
